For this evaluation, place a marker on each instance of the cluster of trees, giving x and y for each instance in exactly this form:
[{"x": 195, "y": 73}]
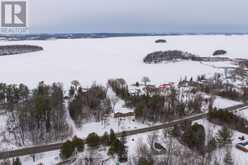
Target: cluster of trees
[
  {"x": 218, "y": 86},
  {"x": 18, "y": 49},
  {"x": 93, "y": 141},
  {"x": 71, "y": 146},
  {"x": 244, "y": 94},
  {"x": 120, "y": 87},
  {"x": 15, "y": 161},
  {"x": 117, "y": 146},
  {"x": 88, "y": 103},
  {"x": 229, "y": 119},
  {"x": 156, "y": 107},
  {"x": 177, "y": 154},
  {"x": 37, "y": 116},
  {"x": 12, "y": 94},
  {"x": 194, "y": 137}
]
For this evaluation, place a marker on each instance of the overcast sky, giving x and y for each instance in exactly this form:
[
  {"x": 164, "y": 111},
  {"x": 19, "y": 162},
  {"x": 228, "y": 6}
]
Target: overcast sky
[{"x": 159, "y": 16}]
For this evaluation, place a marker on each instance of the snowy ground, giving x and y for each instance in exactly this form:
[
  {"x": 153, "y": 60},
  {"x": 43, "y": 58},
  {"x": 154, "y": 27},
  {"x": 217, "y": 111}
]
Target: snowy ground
[
  {"x": 221, "y": 102},
  {"x": 89, "y": 60},
  {"x": 120, "y": 104},
  {"x": 117, "y": 124},
  {"x": 51, "y": 158},
  {"x": 48, "y": 158},
  {"x": 112, "y": 123},
  {"x": 239, "y": 157}
]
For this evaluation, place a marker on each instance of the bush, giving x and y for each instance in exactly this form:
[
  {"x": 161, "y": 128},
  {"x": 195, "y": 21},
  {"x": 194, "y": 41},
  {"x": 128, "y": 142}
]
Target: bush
[
  {"x": 93, "y": 140},
  {"x": 69, "y": 147},
  {"x": 67, "y": 150},
  {"x": 78, "y": 143},
  {"x": 115, "y": 147},
  {"x": 105, "y": 139},
  {"x": 144, "y": 161}
]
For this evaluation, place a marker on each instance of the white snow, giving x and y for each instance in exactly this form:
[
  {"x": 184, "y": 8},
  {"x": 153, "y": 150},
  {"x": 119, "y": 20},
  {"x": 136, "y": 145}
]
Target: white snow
[
  {"x": 89, "y": 60},
  {"x": 221, "y": 102},
  {"x": 238, "y": 156},
  {"x": 117, "y": 125},
  {"x": 47, "y": 158},
  {"x": 119, "y": 106}
]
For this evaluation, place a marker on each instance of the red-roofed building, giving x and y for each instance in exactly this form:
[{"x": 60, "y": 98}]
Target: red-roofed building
[{"x": 166, "y": 86}]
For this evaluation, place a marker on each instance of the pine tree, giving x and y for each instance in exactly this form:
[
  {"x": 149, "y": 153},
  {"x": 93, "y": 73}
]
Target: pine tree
[
  {"x": 105, "y": 139},
  {"x": 93, "y": 140},
  {"x": 122, "y": 153},
  {"x": 112, "y": 136},
  {"x": 17, "y": 161},
  {"x": 224, "y": 136},
  {"x": 78, "y": 143},
  {"x": 67, "y": 150}
]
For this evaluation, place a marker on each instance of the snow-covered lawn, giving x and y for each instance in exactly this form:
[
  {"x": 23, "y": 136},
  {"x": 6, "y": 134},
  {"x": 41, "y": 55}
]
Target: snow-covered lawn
[
  {"x": 112, "y": 123},
  {"x": 47, "y": 158},
  {"x": 243, "y": 113},
  {"x": 221, "y": 102}
]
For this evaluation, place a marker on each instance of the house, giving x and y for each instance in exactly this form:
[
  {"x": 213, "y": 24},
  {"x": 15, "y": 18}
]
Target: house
[
  {"x": 129, "y": 114},
  {"x": 166, "y": 86},
  {"x": 150, "y": 89},
  {"x": 243, "y": 146}
]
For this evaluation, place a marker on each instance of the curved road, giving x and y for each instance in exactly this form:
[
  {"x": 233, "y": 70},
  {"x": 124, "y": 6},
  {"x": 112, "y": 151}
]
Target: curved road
[{"x": 56, "y": 146}]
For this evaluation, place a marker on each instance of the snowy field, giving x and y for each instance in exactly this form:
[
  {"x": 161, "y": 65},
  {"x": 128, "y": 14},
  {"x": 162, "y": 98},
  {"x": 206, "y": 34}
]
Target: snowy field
[
  {"x": 222, "y": 103},
  {"x": 89, "y": 60}
]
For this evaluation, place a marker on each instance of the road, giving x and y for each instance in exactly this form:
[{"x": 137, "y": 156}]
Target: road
[{"x": 56, "y": 146}]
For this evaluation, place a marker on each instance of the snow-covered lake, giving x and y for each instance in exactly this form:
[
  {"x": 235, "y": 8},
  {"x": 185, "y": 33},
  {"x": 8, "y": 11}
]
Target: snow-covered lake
[{"x": 89, "y": 60}]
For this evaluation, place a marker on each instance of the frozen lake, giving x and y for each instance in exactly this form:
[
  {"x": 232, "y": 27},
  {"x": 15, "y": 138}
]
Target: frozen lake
[{"x": 89, "y": 60}]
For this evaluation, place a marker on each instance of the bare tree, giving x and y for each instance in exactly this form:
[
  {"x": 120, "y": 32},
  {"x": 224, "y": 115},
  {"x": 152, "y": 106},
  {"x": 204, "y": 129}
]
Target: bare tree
[
  {"x": 143, "y": 151},
  {"x": 151, "y": 139},
  {"x": 145, "y": 80},
  {"x": 114, "y": 100}
]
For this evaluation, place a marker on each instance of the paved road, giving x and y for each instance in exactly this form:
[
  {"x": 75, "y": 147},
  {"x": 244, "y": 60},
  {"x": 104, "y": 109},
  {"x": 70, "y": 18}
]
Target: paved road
[{"x": 56, "y": 146}]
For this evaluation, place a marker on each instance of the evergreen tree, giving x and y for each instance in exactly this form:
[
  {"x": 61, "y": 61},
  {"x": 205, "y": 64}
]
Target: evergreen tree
[
  {"x": 224, "y": 136},
  {"x": 194, "y": 137},
  {"x": 105, "y": 139},
  {"x": 17, "y": 161},
  {"x": 122, "y": 153},
  {"x": 114, "y": 147},
  {"x": 67, "y": 150},
  {"x": 112, "y": 136},
  {"x": 78, "y": 143},
  {"x": 93, "y": 140}
]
